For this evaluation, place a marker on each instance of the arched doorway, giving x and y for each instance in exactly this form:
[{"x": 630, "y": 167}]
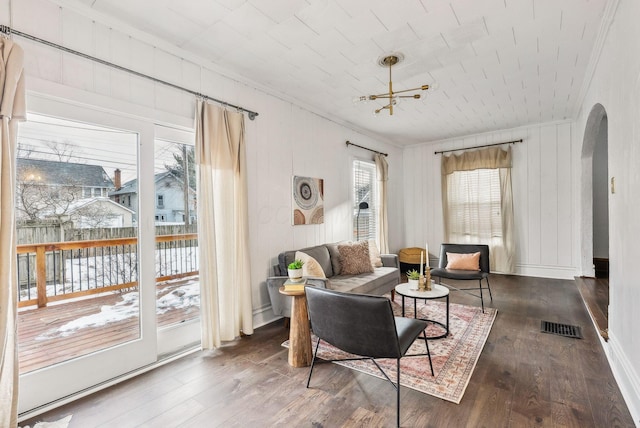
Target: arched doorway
[
  {"x": 593, "y": 283},
  {"x": 600, "y": 184}
]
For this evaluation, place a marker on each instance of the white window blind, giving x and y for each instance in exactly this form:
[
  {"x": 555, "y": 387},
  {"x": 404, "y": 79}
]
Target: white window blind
[
  {"x": 364, "y": 190},
  {"x": 474, "y": 206}
]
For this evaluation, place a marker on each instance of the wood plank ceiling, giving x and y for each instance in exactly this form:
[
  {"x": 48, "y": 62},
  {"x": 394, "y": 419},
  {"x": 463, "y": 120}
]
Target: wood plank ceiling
[{"x": 498, "y": 64}]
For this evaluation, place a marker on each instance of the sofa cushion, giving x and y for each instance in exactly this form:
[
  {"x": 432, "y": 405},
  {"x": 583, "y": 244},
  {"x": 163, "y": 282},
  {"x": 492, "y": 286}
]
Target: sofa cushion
[
  {"x": 367, "y": 282},
  {"x": 310, "y": 266},
  {"x": 335, "y": 256},
  {"x": 355, "y": 258},
  {"x": 374, "y": 254},
  {"x": 319, "y": 252}
]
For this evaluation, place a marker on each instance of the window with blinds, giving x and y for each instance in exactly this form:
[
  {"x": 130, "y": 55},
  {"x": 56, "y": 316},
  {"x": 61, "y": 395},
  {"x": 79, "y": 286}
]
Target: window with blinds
[
  {"x": 364, "y": 190},
  {"x": 474, "y": 203}
]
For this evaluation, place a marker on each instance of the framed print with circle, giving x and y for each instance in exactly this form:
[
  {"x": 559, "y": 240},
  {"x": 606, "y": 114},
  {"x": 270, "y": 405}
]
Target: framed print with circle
[{"x": 307, "y": 200}]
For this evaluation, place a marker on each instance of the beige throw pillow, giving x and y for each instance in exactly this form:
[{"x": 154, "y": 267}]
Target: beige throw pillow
[
  {"x": 463, "y": 261},
  {"x": 374, "y": 254},
  {"x": 355, "y": 258},
  {"x": 311, "y": 267}
]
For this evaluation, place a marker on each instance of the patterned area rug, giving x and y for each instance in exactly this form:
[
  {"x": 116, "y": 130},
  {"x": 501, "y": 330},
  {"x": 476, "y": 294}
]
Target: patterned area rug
[{"x": 454, "y": 357}]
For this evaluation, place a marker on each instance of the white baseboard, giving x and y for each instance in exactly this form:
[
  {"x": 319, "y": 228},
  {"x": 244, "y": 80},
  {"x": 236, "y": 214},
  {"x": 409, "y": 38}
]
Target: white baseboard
[
  {"x": 557, "y": 272},
  {"x": 628, "y": 380},
  {"x": 263, "y": 316}
]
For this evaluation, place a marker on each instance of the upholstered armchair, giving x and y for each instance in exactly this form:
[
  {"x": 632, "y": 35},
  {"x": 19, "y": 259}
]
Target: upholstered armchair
[
  {"x": 363, "y": 325},
  {"x": 449, "y": 269}
]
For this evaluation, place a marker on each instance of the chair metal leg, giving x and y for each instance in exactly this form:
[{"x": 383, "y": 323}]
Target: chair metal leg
[
  {"x": 489, "y": 287},
  {"x": 424, "y": 333},
  {"x": 313, "y": 362},
  {"x": 398, "y": 395}
]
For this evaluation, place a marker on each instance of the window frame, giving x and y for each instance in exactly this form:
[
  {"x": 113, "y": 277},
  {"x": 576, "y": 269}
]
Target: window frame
[{"x": 371, "y": 198}]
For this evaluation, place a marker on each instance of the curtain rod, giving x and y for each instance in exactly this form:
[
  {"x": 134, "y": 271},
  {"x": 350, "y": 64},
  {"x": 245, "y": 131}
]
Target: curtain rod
[
  {"x": 477, "y": 147},
  {"x": 349, "y": 143},
  {"x": 10, "y": 31}
]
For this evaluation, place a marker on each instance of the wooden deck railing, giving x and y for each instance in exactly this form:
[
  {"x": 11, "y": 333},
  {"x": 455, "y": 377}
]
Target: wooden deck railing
[{"x": 80, "y": 268}]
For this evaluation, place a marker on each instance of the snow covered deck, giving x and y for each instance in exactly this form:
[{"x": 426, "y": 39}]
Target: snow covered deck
[{"x": 59, "y": 332}]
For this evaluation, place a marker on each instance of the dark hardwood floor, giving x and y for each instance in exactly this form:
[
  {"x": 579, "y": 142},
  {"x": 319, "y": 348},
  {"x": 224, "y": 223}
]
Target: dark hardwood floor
[
  {"x": 595, "y": 293},
  {"x": 524, "y": 378}
]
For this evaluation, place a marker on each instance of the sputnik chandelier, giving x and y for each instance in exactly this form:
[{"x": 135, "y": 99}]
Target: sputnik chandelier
[{"x": 392, "y": 96}]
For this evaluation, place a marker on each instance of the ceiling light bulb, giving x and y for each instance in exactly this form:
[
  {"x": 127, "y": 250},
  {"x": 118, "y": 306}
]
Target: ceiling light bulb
[{"x": 361, "y": 99}]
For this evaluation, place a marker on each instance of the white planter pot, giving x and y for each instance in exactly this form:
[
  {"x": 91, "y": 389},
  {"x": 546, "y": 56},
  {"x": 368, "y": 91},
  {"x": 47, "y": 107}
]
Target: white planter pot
[
  {"x": 413, "y": 284},
  {"x": 295, "y": 275}
]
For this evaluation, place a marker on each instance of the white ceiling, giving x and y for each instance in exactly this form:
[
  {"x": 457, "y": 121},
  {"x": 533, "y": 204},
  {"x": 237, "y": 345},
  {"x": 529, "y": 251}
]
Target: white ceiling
[{"x": 498, "y": 64}]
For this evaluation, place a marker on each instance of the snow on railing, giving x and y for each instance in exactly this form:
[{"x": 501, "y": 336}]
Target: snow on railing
[{"x": 64, "y": 270}]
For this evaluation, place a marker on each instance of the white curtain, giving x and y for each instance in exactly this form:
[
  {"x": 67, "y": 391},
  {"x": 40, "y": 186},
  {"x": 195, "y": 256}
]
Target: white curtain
[
  {"x": 382, "y": 171},
  {"x": 225, "y": 283},
  {"x": 477, "y": 203},
  {"x": 12, "y": 110}
]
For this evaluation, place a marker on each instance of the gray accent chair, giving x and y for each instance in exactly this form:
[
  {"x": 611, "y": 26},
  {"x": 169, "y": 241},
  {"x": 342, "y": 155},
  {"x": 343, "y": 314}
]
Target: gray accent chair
[
  {"x": 363, "y": 325},
  {"x": 466, "y": 275}
]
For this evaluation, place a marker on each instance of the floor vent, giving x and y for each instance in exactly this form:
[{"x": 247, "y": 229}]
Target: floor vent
[{"x": 561, "y": 329}]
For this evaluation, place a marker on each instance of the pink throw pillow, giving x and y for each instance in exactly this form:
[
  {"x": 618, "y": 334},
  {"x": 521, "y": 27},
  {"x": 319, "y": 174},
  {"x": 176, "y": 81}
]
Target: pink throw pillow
[{"x": 459, "y": 261}]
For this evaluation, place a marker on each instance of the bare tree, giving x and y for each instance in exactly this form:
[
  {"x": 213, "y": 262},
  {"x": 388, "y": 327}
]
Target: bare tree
[
  {"x": 25, "y": 150},
  {"x": 63, "y": 151},
  {"x": 93, "y": 216},
  {"x": 37, "y": 201}
]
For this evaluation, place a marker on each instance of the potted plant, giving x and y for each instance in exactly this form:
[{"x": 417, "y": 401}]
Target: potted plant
[
  {"x": 295, "y": 270},
  {"x": 413, "y": 278}
]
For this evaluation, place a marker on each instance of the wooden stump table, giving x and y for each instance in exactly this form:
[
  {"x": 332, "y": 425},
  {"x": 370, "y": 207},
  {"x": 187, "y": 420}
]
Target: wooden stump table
[{"x": 299, "y": 334}]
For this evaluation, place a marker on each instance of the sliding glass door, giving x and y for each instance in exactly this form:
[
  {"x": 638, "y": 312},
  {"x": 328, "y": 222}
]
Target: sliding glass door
[
  {"x": 176, "y": 228},
  {"x": 86, "y": 246}
]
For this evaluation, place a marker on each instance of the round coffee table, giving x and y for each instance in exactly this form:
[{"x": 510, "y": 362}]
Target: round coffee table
[{"x": 437, "y": 292}]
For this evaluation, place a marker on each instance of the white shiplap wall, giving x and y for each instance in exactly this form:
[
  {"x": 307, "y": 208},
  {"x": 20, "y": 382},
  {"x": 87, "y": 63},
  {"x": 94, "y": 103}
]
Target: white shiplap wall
[
  {"x": 284, "y": 140},
  {"x": 542, "y": 196},
  {"x": 616, "y": 87}
]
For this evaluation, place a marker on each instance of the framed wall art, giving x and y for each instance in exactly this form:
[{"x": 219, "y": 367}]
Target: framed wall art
[{"x": 307, "y": 200}]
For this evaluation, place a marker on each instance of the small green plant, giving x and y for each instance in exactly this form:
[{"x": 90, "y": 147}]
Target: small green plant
[
  {"x": 296, "y": 264},
  {"x": 413, "y": 274}
]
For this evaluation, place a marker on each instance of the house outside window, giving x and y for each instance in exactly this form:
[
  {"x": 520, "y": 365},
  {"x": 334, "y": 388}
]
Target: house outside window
[{"x": 160, "y": 201}]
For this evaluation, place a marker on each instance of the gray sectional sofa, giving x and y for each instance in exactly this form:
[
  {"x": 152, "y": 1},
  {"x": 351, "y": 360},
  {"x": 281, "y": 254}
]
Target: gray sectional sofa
[{"x": 382, "y": 280}]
